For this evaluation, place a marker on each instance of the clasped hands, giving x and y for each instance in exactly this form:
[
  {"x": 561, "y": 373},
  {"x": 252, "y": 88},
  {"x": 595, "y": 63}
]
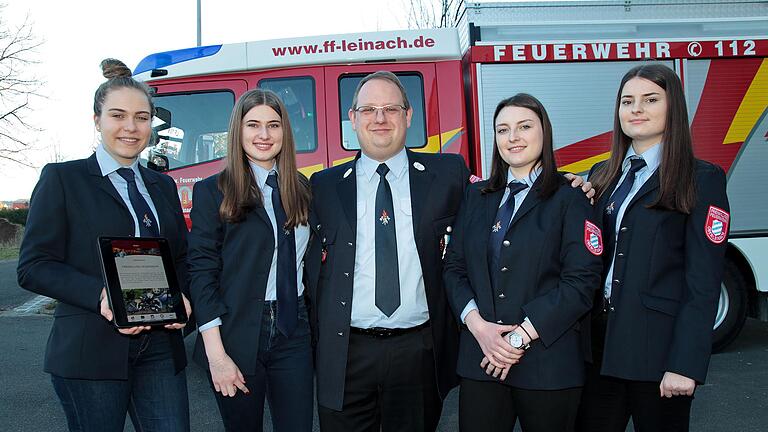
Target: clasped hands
[{"x": 499, "y": 355}]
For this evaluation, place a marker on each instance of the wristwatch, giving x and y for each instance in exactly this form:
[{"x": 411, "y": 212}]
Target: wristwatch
[{"x": 516, "y": 340}]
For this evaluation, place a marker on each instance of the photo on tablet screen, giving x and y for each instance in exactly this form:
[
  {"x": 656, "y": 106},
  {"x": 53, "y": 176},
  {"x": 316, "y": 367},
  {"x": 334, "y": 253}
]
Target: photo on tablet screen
[{"x": 143, "y": 283}]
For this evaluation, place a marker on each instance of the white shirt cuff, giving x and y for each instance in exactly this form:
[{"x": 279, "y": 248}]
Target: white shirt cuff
[
  {"x": 471, "y": 305},
  {"x": 210, "y": 324}
]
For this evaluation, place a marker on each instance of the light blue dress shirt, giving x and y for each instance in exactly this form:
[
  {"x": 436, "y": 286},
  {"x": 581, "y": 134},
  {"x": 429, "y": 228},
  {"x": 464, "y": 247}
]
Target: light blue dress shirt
[
  {"x": 652, "y": 158},
  {"x": 302, "y": 239},
  {"x": 413, "y": 308},
  {"x": 109, "y": 167},
  {"x": 519, "y": 198}
]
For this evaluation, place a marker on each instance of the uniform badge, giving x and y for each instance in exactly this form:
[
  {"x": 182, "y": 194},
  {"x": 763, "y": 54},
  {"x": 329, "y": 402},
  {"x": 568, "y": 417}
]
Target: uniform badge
[
  {"x": 347, "y": 172},
  {"x": 147, "y": 221},
  {"x": 384, "y": 218},
  {"x": 418, "y": 166},
  {"x": 716, "y": 226},
  {"x": 593, "y": 238},
  {"x": 496, "y": 227},
  {"x": 609, "y": 209}
]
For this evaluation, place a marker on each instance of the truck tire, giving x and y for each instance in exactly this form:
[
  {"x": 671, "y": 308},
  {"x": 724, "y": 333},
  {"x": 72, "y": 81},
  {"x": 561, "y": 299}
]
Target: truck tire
[{"x": 732, "y": 308}]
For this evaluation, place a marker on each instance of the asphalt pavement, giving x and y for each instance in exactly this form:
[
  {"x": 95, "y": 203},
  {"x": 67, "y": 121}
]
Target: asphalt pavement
[{"x": 735, "y": 397}]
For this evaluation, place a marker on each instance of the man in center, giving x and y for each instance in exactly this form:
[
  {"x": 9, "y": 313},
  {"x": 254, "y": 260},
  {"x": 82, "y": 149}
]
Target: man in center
[{"x": 386, "y": 340}]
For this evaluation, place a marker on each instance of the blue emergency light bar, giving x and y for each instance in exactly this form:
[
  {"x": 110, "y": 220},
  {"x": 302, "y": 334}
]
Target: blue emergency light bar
[{"x": 167, "y": 58}]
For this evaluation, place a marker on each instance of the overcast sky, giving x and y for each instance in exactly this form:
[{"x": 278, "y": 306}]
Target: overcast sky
[{"x": 78, "y": 34}]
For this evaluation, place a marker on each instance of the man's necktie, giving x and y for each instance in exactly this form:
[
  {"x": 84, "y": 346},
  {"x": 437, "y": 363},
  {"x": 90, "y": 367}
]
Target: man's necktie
[
  {"x": 615, "y": 202},
  {"x": 501, "y": 225},
  {"x": 147, "y": 222},
  {"x": 387, "y": 271},
  {"x": 287, "y": 290}
]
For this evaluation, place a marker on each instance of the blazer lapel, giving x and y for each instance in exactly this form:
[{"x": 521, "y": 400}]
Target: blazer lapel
[
  {"x": 531, "y": 200},
  {"x": 102, "y": 181},
  {"x": 420, "y": 181},
  {"x": 347, "y": 191},
  {"x": 649, "y": 186}
]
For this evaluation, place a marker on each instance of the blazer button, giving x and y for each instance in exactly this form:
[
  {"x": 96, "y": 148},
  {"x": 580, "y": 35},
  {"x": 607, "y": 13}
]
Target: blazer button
[
  {"x": 623, "y": 229},
  {"x": 613, "y": 309},
  {"x": 505, "y": 243},
  {"x": 349, "y": 244},
  {"x": 346, "y": 274},
  {"x": 504, "y": 269},
  {"x": 619, "y": 254},
  {"x": 323, "y": 239},
  {"x": 343, "y": 303},
  {"x": 340, "y": 333},
  {"x": 318, "y": 227},
  {"x": 499, "y": 322},
  {"x": 501, "y": 296},
  {"x": 616, "y": 281},
  {"x": 448, "y": 229}
]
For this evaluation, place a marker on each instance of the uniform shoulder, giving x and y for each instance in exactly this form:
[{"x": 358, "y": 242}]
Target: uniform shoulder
[
  {"x": 211, "y": 182},
  {"x": 331, "y": 172},
  {"x": 705, "y": 167}
]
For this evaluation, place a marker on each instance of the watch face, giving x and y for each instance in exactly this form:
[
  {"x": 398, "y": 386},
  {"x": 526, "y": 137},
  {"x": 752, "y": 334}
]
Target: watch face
[{"x": 515, "y": 340}]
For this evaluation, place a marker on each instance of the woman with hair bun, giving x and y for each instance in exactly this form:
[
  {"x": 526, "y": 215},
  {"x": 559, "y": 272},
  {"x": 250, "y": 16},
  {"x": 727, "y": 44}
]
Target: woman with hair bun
[
  {"x": 101, "y": 373},
  {"x": 665, "y": 216}
]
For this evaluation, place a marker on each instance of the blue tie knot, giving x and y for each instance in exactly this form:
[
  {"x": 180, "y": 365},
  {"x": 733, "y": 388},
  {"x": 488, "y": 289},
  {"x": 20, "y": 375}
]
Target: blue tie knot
[
  {"x": 272, "y": 180},
  {"x": 127, "y": 174},
  {"x": 383, "y": 169},
  {"x": 636, "y": 164},
  {"x": 515, "y": 187}
]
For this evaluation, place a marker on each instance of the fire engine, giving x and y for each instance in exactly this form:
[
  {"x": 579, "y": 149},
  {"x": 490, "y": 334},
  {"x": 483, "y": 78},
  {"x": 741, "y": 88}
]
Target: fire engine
[{"x": 570, "y": 55}]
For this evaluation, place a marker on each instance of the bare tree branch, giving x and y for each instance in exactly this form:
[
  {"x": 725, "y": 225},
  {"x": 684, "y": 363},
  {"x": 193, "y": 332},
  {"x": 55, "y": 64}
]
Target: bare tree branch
[
  {"x": 19, "y": 87},
  {"x": 433, "y": 13}
]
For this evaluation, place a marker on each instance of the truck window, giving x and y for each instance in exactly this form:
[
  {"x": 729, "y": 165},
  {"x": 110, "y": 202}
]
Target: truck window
[
  {"x": 191, "y": 127},
  {"x": 414, "y": 86},
  {"x": 298, "y": 95}
]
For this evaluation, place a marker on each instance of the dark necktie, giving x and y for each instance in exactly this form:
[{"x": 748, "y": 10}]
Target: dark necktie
[
  {"x": 501, "y": 225},
  {"x": 147, "y": 222},
  {"x": 387, "y": 271},
  {"x": 615, "y": 202},
  {"x": 287, "y": 290}
]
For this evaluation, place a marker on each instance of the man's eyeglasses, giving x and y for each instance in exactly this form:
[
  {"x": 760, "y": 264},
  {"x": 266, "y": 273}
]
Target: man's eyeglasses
[{"x": 388, "y": 110}]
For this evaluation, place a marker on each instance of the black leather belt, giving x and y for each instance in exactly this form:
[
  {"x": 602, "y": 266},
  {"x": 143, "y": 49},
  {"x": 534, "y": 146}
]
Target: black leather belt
[{"x": 383, "y": 332}]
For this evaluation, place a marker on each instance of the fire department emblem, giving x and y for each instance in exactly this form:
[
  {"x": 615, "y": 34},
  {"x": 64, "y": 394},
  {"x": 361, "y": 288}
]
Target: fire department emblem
[
  {"x": 147, "y": 221},
  {"x": 716, "y": 226},
  {"x": 496, "y": 227},
  {"x": 609, "y": 209},
  {"x": 384, "y": 218},
  {"x": 593, "y": 238}
]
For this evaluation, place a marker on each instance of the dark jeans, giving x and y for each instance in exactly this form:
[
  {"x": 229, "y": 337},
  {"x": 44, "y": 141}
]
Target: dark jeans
[
  {"x": 153, "y": 395},
  {"x": 284, "y": 377}
]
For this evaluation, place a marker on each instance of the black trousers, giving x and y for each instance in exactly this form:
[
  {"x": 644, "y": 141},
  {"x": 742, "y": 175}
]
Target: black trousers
[
  {"x": 607, "y": 402},
  {"x": 390, "y": 386},
  {"x": 488, "y": 406}
]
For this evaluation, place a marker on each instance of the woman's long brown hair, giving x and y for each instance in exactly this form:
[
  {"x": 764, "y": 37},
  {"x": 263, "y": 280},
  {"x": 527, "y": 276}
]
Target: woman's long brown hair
[
  {"x": 677, "y": 188},
  {"x": 237, "y": 181}
]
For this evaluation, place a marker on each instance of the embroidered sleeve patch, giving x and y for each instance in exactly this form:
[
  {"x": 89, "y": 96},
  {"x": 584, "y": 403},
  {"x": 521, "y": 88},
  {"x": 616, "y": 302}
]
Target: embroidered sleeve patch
[
  {"x": 593, "y": 238},
  {"x": 716, "y": 226}
]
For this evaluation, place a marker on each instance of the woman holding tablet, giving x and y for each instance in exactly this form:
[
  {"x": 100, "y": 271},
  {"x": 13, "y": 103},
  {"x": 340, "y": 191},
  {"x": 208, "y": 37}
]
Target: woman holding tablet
[
  {"x": 666, "y": 220},
  {"x": 251, "y": 233},
  {"x": 99, "y": 372},
  {"x": 520, "y": 272}
]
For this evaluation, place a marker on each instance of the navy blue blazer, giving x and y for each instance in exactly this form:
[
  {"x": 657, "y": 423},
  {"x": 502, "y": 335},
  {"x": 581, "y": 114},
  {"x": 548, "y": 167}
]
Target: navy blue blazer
[
  {"x": 71, "y": 206},
  {"x": 666, "y": 282},
  {"x": 436, "y": 190},
  {"x": 546, "y": 273},
  {"x": 228, "y": 269}
]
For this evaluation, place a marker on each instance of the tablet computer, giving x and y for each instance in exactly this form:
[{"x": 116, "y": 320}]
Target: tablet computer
[{"x": 141, "y": 282}]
